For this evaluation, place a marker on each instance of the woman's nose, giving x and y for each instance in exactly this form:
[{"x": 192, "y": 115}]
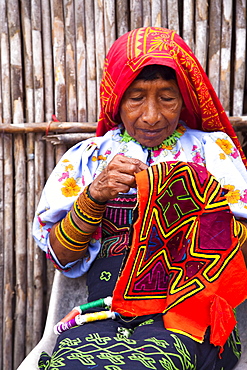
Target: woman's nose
[{"x": 151, "y": 114}]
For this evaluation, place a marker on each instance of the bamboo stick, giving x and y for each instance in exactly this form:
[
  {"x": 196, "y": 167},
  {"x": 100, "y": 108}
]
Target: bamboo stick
[
  {"x": 69, "y": 20},
  {"x": 156, "y": 13},
  {"x": 20, "y": 181},
  {"x": 67, "y": 139},
  {"x": 99, "y": 46},
  {"x": 71, "y": 127},
  {"x": 214, "y": 44},
  {"x": 136, "y": 14},
  {"x": 122, "y": 11},
  {"x": 8, "y": 292},
  {"x": 81, "y": 60},
  {"x": 172, "y": 12},
  {"x": 1, "y": 228},
  {"x": 1, "y": 231},
  {"x": 38, "y": 296},
  {"x": 91, "y": 63},
  {"x": 2, "y": 316},
  {"x": 48, "y": 126},
  {"x": 147, "y": 13},
  {"x": 58, "y": 36},
  {"x": 109, "y": 24},
  {"x": 225, "y": 66},
  {"x": 188, "y": 23},
  {"x": 49, "y": 110},
  {"x": 28, "y": 70},
  {"x": 164, "y": 15},
  {"x": 240, "y": 62},
  {"x": 201, "y": 25},
  {"x": 20, "y": 176}
]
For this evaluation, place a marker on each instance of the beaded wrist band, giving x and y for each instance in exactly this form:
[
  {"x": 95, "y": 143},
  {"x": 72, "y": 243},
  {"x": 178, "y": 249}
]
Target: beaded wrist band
[
  {"x": 70, "y": 236},
  {"x": 88, "y": 209},
  {"x": 242, "y": 232}
]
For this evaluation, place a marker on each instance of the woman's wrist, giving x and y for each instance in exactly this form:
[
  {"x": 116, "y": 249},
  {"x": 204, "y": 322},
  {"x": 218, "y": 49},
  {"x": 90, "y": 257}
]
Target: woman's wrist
[{"x": 92, "y": 198}]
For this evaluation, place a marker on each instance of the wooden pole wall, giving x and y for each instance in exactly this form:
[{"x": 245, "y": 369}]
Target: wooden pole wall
[{"x": 51, "y": 59}]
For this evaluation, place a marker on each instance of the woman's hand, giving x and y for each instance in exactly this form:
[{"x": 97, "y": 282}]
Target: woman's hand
[{"x": 117, "y": 177}]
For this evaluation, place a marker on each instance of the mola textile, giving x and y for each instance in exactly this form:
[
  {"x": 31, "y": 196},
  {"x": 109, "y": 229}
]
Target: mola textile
[{"x": 184, "y": 259}]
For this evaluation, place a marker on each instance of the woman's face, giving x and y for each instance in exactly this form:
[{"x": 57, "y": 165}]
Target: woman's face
[{"x": 150, "y": 110}]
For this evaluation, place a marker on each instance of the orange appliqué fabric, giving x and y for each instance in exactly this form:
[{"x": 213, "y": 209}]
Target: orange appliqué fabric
[
  {"x": 184, "y": 259},
  {"x": 154, "y": 45}
]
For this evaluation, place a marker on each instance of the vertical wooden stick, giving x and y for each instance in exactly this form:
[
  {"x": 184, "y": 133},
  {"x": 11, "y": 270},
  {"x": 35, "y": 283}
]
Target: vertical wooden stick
[
  {"x": 28, "y": 70},
  {"x": 99, "y": 46},
  {"x": 201, "y": 25},
  {"x": 49, "y": 110},
  {"x": 214, "y": 44},
  {"x": 20, "y": 180},
  {"x": 39, "y": 163},
  {"x": 147, "y": 13},
  {"x": 156, "y": 13},
  {"x": 122, "y": 10},
  {"x": 188, "y": 23},
  {"x": 58, "y": 36},
  {"x": 91, "y": 64},
  {"x": 164, "y": 15},
  {"x": 81, "y": 59},
  {"x": 136, "y": 19},
  {"x": 172, "y": 12},
  {"x": 8, "y": 258},
  {"x": 69, "y": 21},
  {"x": 240, "y": 58},
  {"x": 225, "y": 65}
]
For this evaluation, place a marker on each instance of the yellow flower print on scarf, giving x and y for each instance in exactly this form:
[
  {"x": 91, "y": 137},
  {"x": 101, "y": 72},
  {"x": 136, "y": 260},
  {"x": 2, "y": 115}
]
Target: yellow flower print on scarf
[
  {"x": 225, "y": 145},
  {"x": 70, "y": 188},
  {"x": 233, "y": 196}
]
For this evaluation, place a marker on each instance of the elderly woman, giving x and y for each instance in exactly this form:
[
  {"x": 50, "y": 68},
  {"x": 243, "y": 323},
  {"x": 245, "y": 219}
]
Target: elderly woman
[{"x": 150, "y": 209}]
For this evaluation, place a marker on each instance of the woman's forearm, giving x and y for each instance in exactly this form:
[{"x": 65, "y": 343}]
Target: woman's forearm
[{"x": 69, "y": 238}]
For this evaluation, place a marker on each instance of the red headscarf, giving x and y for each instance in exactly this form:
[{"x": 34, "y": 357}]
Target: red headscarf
[{"x": 152, "y": 45}]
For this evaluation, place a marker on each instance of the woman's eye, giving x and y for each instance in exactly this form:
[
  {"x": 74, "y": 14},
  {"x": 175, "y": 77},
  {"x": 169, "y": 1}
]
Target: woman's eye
[
  {"x": 166, "y": 99},
  {"x": 137, "y": 98}
]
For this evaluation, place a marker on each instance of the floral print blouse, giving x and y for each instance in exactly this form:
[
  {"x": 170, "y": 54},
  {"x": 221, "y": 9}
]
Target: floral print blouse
[{"x": 84, "y": 161}]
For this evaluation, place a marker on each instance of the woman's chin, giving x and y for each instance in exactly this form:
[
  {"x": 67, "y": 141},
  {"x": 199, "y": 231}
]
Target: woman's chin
[{"x": 150, "y": 143}]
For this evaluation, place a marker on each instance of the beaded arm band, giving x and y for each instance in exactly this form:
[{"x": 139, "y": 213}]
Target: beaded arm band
[
  {"x": 242, "y": 232},
  {"x": 85, "y": 209}
]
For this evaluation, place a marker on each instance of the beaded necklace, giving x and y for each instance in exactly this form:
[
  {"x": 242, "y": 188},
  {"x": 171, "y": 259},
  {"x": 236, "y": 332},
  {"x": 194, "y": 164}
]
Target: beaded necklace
[{"x": 169, "y": 141}]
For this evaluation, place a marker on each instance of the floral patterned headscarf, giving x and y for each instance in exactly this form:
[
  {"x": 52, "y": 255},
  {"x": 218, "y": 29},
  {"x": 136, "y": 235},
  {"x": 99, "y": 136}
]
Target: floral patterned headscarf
[{"x": 152, "y": 45}]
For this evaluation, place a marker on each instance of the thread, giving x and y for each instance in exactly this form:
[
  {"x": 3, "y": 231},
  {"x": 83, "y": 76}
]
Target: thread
[
  {"x": 78, "y": 310},
  {"x": 82, "y": 319}
]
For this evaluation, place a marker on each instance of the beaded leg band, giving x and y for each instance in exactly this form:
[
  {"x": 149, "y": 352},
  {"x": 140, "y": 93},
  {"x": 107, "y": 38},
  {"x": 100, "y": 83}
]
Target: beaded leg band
[{"x": 85, "y": 209}]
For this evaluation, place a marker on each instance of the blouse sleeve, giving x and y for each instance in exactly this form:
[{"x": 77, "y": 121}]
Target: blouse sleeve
[
  {"x": 224, "y": 161},
  {"x": 73, "y": 172}
]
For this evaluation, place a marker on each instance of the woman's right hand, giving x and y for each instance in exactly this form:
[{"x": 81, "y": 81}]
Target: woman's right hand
[{"x": 117, "y": 177}]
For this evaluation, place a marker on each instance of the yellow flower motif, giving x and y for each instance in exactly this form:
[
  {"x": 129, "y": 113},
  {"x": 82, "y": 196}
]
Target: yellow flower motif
[
  {"x": 225, "y": 145},
  {"x": 65, "y": 160},
  {"x": 233, "y": 195},
  {"x": 70, "y": 167},
  {"x": 94, "y": 159},
  {"x": 70, "y": 188},
  {"x": 222, "y": 156}
]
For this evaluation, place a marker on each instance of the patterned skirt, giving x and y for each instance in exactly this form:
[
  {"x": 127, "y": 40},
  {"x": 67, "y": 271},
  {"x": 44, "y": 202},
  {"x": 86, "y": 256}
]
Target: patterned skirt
[{"x": 132, "y": 343}]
